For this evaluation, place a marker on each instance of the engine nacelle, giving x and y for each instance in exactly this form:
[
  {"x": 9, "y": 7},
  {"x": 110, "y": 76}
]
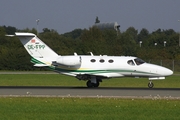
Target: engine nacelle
[{"x": 69, "y": 60}]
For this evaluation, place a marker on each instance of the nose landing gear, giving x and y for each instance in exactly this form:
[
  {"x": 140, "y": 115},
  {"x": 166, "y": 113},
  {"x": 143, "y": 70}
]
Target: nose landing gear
[{"x": 150, "y": 84}]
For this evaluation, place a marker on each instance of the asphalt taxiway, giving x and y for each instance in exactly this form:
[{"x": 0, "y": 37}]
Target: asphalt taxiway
[
  {"x": 53, "y": 91},
  {"x": 50, "y": 91}
]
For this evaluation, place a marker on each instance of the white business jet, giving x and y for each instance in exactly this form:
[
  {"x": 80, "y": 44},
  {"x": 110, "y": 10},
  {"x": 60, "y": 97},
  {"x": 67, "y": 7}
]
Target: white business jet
[{"x": 90, "y": 67}]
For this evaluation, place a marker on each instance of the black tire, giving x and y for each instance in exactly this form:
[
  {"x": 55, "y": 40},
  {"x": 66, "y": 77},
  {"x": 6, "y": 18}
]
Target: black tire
[
  {"x": 89, "y": 84},
  {"x": 150, "y": 85},
  {"x": 96, "y": 84}
]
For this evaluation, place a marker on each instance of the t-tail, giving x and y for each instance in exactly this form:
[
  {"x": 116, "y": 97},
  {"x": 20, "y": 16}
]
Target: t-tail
[{"x": 41, "y": 54}]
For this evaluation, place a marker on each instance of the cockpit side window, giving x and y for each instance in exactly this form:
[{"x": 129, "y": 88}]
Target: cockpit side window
[
  {"x": 138, "y": 61},
  {"x": 130, "y": 62}
]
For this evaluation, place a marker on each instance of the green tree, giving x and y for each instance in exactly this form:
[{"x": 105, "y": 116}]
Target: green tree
[
  {"x": 143, "y": 36},
  {"x": 13, "y": 56},
  {"x": 73, "y": 34},
  {"x": 10, "y": 30},
  {"x": 131, "y": 31},
  {"x": 128, "y": 45}
]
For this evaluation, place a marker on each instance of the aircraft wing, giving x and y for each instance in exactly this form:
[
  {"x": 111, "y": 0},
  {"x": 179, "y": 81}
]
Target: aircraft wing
[
  {"x": 109, "y": 75},
  {"x": 98, "y": 75},
  {"x": 156, "y": 78}
]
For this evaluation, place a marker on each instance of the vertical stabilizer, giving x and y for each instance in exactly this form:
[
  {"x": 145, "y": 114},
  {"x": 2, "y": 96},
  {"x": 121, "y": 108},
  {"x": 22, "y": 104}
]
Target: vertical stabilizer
[{"x": 37, "y": 48}]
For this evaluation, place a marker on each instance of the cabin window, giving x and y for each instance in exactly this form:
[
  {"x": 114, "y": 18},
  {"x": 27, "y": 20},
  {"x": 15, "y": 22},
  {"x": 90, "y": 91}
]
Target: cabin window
[
  {"x": 138, "y": 61},
  {"x": 130, "y": 62},
  {"x": 111, "y": 61},
  {"x": 101, "y": 60},
  {"x": 93, "y": 60}
]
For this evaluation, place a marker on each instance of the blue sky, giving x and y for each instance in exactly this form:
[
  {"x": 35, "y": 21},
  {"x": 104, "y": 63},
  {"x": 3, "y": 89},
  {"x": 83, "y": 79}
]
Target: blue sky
[{"x": 67, "y": 15}]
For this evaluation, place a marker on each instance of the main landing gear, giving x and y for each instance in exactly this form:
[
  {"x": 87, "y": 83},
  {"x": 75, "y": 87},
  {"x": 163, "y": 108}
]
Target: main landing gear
[
  {"x": 93, "y": 82},
  {"x": 150, "y": 84}
]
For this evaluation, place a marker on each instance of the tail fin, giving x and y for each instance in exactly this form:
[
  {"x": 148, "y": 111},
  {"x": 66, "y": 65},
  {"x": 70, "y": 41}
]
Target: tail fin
[{"x": 39, "y": 51}]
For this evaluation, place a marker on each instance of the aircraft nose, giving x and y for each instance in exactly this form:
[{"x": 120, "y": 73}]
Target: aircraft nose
[
  {"x": 169, "y": 72},
  {"x": 166, "y": 71}
]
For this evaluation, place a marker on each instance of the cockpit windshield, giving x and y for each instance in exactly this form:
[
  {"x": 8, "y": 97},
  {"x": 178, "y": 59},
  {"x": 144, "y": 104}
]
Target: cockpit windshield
[{"x": 138, "y": 61}]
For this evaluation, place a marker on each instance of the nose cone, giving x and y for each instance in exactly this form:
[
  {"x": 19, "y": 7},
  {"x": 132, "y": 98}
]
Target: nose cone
[
  {"x": 165, "y": 71},
  {"x": 159, "y": 70}
]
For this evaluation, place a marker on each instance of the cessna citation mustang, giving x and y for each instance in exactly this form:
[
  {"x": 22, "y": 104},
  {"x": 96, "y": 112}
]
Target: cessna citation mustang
[{"x": 89, "y": 67}]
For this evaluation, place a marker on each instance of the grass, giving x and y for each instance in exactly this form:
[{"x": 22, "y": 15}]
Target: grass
[
  {"x": 62, "y": 80},
  {"x": 69, "y": 108},
  {"x": 88, "y": 109}
]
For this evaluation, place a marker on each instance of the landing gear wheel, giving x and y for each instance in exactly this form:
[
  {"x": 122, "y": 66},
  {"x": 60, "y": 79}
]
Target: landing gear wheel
[
  {"x": 150, "y": 85},
  {"x": 96, "y": 84},
  {"x": 89, "y": 84}
]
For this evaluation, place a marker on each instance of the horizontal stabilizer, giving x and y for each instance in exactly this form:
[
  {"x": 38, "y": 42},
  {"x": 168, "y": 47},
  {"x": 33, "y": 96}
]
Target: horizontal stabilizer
[
  {"x": 41, "y": 65},
  {"x": 10, "y": 35}
]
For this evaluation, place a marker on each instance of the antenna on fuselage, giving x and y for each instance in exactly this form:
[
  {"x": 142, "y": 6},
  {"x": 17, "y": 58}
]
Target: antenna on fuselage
[
  {"x": 75, "y": 54},
  {"x": 91, "y": 53}
]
